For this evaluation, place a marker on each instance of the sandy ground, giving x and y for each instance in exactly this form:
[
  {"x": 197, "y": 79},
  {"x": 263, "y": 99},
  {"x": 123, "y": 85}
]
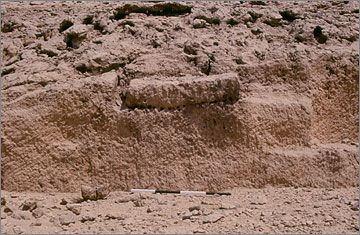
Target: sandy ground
[{"x": 268, "y": 210}]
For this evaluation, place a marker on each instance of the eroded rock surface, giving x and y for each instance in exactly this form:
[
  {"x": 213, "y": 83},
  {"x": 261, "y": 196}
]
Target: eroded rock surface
[{"x": 67, "y": 67}]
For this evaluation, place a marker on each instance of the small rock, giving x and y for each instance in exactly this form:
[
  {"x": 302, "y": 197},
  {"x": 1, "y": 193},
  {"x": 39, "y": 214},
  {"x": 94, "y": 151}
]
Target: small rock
[
  {"x": 199, "y": 23},
  {"x": 124, "y": 200},
  {"x": 7, "y": 210},
  {"x": 86, "y": 218},
  {"x": 3, "y": 216},
  {"x": 102, "y": 191},
  {"x": 22, "y": 215},
  {"x": 328, "y": 218},
  {"x": 196, "y": 213},
  {"x": 213, "y": 218},
  {"x": 35, "y": 224},
  {"x": 28, "y": 205},
  {"x": 138, "y": 203},
  {"x": 114, "y": 216},
  {"x": 75, "y": 35},
  {"x": 88, "y": 193},
  {"x": 273, "y": 19},
  {"x": 259, "y": 201},
  {"x": 3, "y": 201},
  {"x": 309, "y": 223},
  {"x": 153, "y": 209},
  {"x": 37, "y": 213},
  {"x": 67, "y": 218},
  {"x": 355, "y": 206},
  {"x": 95, "y": 193},
  {"x": 186, "y": 216},
  {"x": 76, "y": 209},
  {"x": 192, "y": 208},
  {"x": 63, "y": 202},
  {"x": 199, "y": 231},
  {"x": 225, "y": 206}
]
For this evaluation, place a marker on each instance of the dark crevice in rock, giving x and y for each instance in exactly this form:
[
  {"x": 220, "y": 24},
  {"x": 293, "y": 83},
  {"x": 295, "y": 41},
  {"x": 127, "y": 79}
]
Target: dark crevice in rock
[
  {"x": 259, "y": 3},
  {"x": 254, "y": 16},
  {"x": 8, "y": 27},
  {"x": 65, "y": 24},
  {"x": 232, "y": 22},
  {"x": 162, "y": 9},
  {"x": 319, "y": 36},
  {"x": 289, "y": 15},
  {"x": 6, "y": 71},
  {"x": 88, "y": 19}
]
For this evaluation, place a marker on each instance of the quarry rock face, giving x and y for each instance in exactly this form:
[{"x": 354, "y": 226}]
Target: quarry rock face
[{"x": 209, "y": 96}]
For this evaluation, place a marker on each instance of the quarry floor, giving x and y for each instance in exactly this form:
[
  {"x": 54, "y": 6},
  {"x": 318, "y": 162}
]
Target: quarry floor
[{"x": 268, "y": 210}]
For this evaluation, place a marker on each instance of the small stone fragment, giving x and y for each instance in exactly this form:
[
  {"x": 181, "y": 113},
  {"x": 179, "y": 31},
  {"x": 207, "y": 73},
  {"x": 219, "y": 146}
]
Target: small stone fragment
[
  {"x": 226, "y": 206},
  {"x": 213, "y": 218},
  {"x": 67, "y": 218},
  {"x": 199, "y": 23},
  {"x": 3, "y": 201},
  {"x": 138, "y": 203},
  {"x": 260, "y": 200},
  {"x": 86, "y": 218},
  {"x": 35, "y": 224},
  {"x": 114, "y": 216},
  {"x": 37, "y": 213},
  {"x": 102, "y": 191},
  {"x": 88, "y": 193},
  {"x": 7, "y": 210},
  {"x": 28, "y": 205},
  {"x": 186, "y": 216},
  {"x": 63, "y": 202},
  {"x": 192, "y": 208},
  {"x": 355, "y": 206},
  {"x": 76, "y": 209},
  {"x": 199, "y": 231}
]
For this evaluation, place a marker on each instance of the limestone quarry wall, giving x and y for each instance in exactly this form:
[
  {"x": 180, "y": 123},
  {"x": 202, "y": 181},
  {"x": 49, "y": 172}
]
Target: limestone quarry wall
[{"x": 225, "y": 95}]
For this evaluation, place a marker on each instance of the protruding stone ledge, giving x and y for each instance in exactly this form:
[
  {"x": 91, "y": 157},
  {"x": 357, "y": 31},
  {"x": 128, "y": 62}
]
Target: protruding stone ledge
[{"x": 178, "y": 92}]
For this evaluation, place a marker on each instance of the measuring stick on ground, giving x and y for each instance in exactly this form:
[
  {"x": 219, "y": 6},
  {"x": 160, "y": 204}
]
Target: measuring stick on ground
[{"x": 177, "y": 192}]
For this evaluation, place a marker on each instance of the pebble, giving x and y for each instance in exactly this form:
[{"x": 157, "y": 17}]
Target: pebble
[
  {"x": 88, "y": 193},
  {"x": 67, "y": 218},
  {"x": 186, "y": 216},
  {"x": 199, "y": 23},
  {"x": 153, "y": 209},
  {"x": 37, "y": 213},
  {"x": 63, "y": 202},
  {"x": 22, "y": 215},
  {"x": 213, "y": 218},
  {"x": 76, "y": 209},
  {"x": 226, "y": 206},
  {"x": 87, "y": 218},
  {"x": 3, "y": 201},
  {"x": 355, "y": 206},
  {"x": 259, "y": 201},
  {"x": 114, "y": 216},
  {"x": 192, "y": 208},
  {"x": 28, "y": 205},
  {"x": 328, "y": 218},
  {"x": 138, "y": 203},
  {"x": 7, "y": 210},
  {"x": 35, "y": 224},
  {"x": 199, "y": 231}
]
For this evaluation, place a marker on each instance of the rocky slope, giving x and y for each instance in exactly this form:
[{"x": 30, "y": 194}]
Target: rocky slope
[{"x": 139, "y": 96}]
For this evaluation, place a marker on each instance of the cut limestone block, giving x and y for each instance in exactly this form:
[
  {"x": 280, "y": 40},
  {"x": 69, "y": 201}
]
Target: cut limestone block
[{"x": 178, "y": 92}]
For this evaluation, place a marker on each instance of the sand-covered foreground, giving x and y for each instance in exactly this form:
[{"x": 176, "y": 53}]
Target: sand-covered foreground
[{"x": 269, "y": 210}]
